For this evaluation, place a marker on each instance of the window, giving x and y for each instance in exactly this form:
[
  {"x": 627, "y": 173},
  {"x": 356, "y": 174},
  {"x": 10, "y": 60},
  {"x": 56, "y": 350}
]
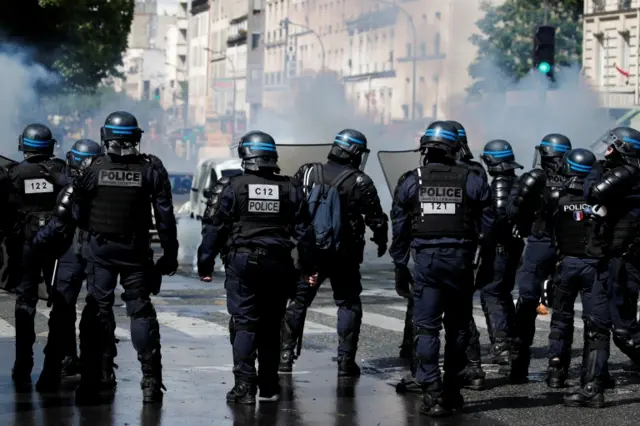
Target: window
[
  {"x": 391, "y": 56},
  {"x": 624, "y": 52},
  {"x": 405, "y": 111},
  {"x": 423, "y": 49},
  {"x": 601, "y": 66},
  {"x": 436, "y": 44},
  {"x": 408, "y": 50}
]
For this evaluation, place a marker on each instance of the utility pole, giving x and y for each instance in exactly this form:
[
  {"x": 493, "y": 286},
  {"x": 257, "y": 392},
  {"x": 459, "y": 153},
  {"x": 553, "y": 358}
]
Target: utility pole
[
  {"x": 545, "y": 6},
  {"x": 284, "y": 24}
]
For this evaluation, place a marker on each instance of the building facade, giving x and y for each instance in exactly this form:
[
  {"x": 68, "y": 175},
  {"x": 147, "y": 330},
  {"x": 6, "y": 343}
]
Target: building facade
[
  {"x": 198, "y": 60},
  {"x": 143, "y": 61},
  {"x": 175, "y": 91},
  {"x": 374, "y": 47},
  {"x": 610, "y": 50}
]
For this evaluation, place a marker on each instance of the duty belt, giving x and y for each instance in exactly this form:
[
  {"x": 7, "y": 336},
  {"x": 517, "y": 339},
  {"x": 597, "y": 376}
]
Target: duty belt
[{"x": 260, "y": 251}]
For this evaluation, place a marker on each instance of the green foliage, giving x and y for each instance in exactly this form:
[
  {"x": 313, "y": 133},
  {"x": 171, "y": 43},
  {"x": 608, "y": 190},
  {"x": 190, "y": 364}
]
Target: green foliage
[
  {"x": 81, "y": 40},
  {"x": 505, "y": 43}
]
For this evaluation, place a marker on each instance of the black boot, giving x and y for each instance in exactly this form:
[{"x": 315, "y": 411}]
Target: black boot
[
  {"x": 50, "y": 378},
  {"x": 347, "y": 367},
  {"x": 287, "y": 346},
  {"x": 70, "y": 367},
  {"x": 556, "y": 374},
  {"x": 151, "y": 383},
  {"x": 591, "y": 395},
  {"x": 21, "y": 375},
  {"x": 473, "y": 376},
  {"x": 500, "y": 351},
  {"x": 408, "y": 384},
  {"x": 242, "y": 393},
  {"x": 433, "y": 403}
]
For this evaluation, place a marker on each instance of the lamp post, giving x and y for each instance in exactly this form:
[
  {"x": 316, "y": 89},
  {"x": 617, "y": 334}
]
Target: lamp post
[
  {"x": 414, "y": 62},
  {"x": 285, "y": 24},
  {"x": 224, "y": 57}
]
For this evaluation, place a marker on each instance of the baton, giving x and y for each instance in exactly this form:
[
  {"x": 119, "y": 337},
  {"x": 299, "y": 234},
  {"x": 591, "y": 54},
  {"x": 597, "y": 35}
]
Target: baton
[{"x": 299, "y": 343}]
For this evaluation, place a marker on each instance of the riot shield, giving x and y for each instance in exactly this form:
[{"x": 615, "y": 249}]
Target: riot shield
[
  {"x": 6, "y": 162},
  {"x": 292, "y": 156},
  {"x": 396, "y": 163}
]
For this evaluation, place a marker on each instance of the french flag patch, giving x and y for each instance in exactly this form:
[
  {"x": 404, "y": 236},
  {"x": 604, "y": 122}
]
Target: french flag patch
[{"x": 578, "y": 216}]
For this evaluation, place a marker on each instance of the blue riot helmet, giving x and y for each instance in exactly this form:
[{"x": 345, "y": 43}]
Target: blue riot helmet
[
  {"x": 577, "y": 162},
  {"x": 350, "y": 145},
  {"x": 121, "y": 134},
  {"x": 36, "y": 139},
  {"x": 498, "y": 156},
  {"x": 623, "y": 145},
  {"x": 441, "y": 136},
  {"x": 550, "y": 151},
  {"x": 82, "y": 150},
  {"x": 465, "y": 151},
  {"x": 257, "y": 150}
]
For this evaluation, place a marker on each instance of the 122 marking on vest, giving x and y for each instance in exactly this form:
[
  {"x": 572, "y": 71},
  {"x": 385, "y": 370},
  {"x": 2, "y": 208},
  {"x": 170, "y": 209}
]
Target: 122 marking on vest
[
  {"x": 121, "y": 178},
  {"x": 37, "y": 186},
  {"x": 264, "y": 198},
  {"x": 440, "y": 199}
]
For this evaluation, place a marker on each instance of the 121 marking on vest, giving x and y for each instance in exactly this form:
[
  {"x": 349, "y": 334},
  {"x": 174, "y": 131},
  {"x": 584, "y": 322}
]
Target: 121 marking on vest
[
  {"x": 121, "y": 178},
  {"x": 438, "y": 208},
  {"x": 264, "y": 192},
  {"x": 37, "y": 186}
]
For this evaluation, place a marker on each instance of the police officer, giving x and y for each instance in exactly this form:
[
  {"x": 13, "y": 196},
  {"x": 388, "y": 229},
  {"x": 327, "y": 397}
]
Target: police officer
[
  {"x": 612, "y": 189},
  {"x": 528, "y": 209},
  {"x": 255, "y": 215},
  {"x": 500, "y": 251},
  {"x": 581, "y": 265},
  {"x": 116, "y": 194},
  {"x": 439, "y": 207},
  {"x": 37, "y": 197},
  {"x": 57, "y": 237},
  {"x": 360, "y": 206}
]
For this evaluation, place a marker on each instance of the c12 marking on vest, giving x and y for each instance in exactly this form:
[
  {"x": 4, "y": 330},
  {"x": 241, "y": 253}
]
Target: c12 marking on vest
[
  {"x": 37, "y": 186},
  {"x": 121, "y": 178},
  {"x": 264, "y": 192},
  {"x": 440, "y": 194},
  {"x": 264, "y": 206},
  {"x": 438, "y": 208}
]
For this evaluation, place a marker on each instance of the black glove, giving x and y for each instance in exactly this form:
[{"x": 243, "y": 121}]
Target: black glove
[
  {"x": 382, "y": 246},
  {"x": 205, "y": 270},
  {"x": 403, "y": 281},
  {"x": 167, "y": 265},
  {"x": 155, "y": 281}
]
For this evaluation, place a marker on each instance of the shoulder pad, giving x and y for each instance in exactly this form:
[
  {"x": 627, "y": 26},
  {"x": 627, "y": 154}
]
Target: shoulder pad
[
  {"x": 404, "y": 177},
  {"x": 555, "y": 194},
  {"x": 362, "y": 179},
  {"x": 222, "y": 182},
  {"x": 501, "y": 184}
]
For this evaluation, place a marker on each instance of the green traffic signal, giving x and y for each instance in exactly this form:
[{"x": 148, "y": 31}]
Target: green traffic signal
[{"x": 544, "y": 67}]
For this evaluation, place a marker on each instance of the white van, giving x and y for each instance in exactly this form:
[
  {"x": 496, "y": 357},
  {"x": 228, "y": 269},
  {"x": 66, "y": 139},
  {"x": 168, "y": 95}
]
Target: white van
[{"x": 207, "y": 174}]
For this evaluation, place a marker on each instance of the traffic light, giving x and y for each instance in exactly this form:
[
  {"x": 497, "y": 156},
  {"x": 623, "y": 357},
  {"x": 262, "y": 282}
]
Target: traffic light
[
  {"x": 156, "y": 94},
  {"x": 544, "y": 47}
]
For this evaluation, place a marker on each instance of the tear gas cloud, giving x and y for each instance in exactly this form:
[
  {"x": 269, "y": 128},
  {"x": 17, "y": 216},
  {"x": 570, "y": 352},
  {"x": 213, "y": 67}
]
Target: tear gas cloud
[{"x": 20, "y": 105}]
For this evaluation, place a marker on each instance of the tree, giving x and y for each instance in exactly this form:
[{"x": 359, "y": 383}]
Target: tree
[
  {"x": 80, "y": 40},
  {"x": 505, "y": 43}
]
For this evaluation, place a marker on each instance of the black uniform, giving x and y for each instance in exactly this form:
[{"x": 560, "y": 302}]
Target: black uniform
[
  {"x": 360, "y": 207},
  {"x": 115, "y": 195},
  {"x": 37, "y": 196},
  {"x": 252, "y": 217}
]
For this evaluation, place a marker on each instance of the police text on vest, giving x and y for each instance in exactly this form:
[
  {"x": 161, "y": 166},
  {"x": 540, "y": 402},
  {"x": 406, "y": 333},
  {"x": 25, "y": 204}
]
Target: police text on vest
[
  {"x": 37, "y": 186},
  {"x": 264, "y": 192},
  {"x": 440, "y": 194},
  {"x": 264, "y": 206},
  {"x": 121, "y": 178},
  {"x": 576, "y": 207}
]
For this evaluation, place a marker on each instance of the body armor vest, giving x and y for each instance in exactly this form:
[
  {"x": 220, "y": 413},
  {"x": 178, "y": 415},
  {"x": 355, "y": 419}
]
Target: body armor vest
[
  {"x": 574, "y": 229},
  {"x": 442, "y": 207},
  {"x": 121, "y": 205},
  {"x": 38, "y": 196},
  {"x": 625, "y": 224},
  {"x": 555, "y": 182},
  {"x": 263, "y": 207}
]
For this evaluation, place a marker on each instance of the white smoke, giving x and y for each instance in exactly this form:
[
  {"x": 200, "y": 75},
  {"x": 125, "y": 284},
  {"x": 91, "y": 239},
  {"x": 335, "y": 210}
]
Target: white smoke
[{"x": 20, "y": 105}]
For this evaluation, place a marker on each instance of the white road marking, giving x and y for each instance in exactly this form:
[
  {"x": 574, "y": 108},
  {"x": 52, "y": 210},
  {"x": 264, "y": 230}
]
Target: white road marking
[
  {"x": 368, "y": 318},
  {"x": 310, "y": 327},
  {"x": 6, "y": 330},
  {"x": 121, "y": 333},
  {"x": 194, "y": 327}
]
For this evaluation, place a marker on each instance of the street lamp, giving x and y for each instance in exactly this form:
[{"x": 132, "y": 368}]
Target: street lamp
[
  {"x": 285, "y": 24},
  {"x": 223, "y": 57},
  {"x": 414, "y": 62}
]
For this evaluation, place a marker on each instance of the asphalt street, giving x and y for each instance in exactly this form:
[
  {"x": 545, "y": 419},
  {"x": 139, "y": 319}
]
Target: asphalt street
[{"x": 197, "y": 371}]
